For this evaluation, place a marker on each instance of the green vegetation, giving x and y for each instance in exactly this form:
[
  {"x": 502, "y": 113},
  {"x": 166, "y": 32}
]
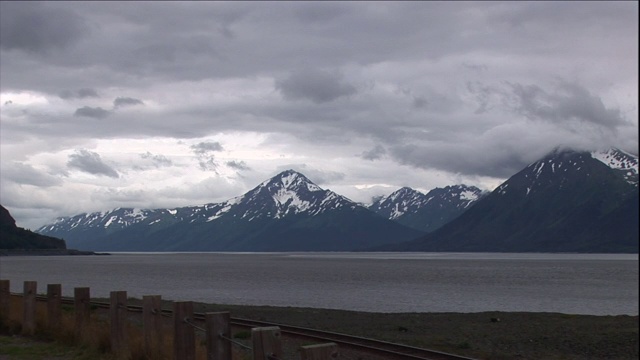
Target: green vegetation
[{"x": 21, "y": 348}]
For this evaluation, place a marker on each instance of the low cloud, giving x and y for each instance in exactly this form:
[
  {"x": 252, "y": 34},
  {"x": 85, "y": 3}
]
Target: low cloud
[
  {"x": 26, "y": 174},
  {"x": 158, "y": 160},
  {"x": 96, "y": 113},
  {"x": 568, "y": 102},
  {"x": 565, "y": 104},
  {"x": 204, "y": 152},
  {"x": 316, "y": 175},
  {"x": 78, "y": 94},
  {"x": 316, "y": 85},
  {"x": 374, "y": 154},
  {"x": 238, "y": 165},
  {"x": 205, "y": 147},
  {"x": 126, "y": 101},
  {"x": 90, "y": 162}
]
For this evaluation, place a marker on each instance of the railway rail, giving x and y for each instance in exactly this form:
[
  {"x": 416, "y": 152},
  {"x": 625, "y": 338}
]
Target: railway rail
[{"x": 382, "y": 348}]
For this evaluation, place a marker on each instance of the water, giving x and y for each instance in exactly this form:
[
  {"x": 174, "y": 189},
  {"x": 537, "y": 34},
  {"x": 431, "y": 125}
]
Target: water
[{"x": 596, "y": 284}]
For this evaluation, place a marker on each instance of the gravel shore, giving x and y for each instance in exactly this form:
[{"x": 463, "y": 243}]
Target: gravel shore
[{"x": 485, "y": 335}]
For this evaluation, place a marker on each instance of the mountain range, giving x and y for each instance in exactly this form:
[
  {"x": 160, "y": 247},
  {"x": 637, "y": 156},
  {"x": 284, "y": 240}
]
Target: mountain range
[
  {"x": 285, "y": 213},
  {"x": 569, "y": 201},
  {"x": 426, "y": 212}
]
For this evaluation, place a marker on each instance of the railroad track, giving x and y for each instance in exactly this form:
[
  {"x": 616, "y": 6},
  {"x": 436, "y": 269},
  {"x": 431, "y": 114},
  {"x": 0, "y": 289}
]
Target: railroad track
[
  {"x": 355, "y": 342},
  {"x": 384, "y": 348}
]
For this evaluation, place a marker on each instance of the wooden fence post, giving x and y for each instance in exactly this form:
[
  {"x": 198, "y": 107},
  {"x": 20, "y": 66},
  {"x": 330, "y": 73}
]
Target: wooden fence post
[
  {"x": 152, "y": 325},
  {"x": 184, "y": 337},
  {"x": 5, "y": 300},
  {"x": 118, "y": 316},
  {"x": 54, "y": 304},
  {"x": 319, "y": 352},
  {"x": 266, "y": 342},
  {"x": 217, "y": 326},
  {"x": 82, "y": 303},
  {"x": 29, "y": 318}
]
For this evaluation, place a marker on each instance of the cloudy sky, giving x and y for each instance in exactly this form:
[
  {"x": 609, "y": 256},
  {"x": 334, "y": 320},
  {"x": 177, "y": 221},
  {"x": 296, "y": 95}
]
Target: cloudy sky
[{"x": 163, "y": 104}]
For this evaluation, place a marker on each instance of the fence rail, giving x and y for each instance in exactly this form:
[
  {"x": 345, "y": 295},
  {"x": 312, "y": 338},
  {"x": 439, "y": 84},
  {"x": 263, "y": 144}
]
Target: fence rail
[{"x": 266, "y": 341}]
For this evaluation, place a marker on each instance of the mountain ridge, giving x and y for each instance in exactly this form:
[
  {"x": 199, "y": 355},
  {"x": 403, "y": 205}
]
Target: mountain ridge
[
  {"x": 426, "y": 212},
  {"x": 285, "y": 213},
  {"x": 568, "y": 201}
]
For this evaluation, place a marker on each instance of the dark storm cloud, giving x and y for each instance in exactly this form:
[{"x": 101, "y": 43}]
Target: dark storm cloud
[
  {"x": 486, "y": 96},
  {"x": 126, "y": 101},
  {"x": 568, "y": 102},
  {"x": 316, "y": 85},
  {"x": 90, "y": 162},
  {"x": 78, "y": 94},
  {"x": 475, "y": 67},
  {"x": 92, "y": 112},
  {"x": 376, "y": 153},
  {"x": 321, "y": 12},
  {"x": 38, "y": 27},
  {"x": 478, "y": 158},
  {"x": 561, "y": 104}
]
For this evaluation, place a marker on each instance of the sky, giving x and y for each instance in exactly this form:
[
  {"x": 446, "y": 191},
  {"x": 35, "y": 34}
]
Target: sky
[{"x": 168, "y": 104}]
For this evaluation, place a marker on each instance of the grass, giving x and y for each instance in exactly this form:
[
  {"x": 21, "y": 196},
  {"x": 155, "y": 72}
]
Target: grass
[
  {"x": 62, "y": 341},
  {"x": 22, "y": 348}
]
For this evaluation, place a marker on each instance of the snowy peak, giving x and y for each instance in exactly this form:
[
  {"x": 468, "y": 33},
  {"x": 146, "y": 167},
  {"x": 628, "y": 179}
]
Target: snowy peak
[
  {"x": 426, "y": 212},
  {"x": 290, "y": 180},
  {"x": 619, "y": 160},
  {"x": 290, "y": 193},
  {"x": 462, "y": 195},
  {"x": 561, "y": 169},
  {"x": 398, "y": 203}
]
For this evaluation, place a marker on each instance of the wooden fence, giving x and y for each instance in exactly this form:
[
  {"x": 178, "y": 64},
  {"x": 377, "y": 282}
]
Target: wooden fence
[{"x": 266, "y": 341}]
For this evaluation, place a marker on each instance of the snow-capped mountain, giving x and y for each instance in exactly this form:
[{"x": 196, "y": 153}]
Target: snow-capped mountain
[
  {"x": 568, "y": 201},
  {"x": 286, "y": 212},
  {"x": 621, "y": 161},
  {"x": 289, "y": 193},
  {"x": 428, "y": 212},
  {"x": 400, "y": 202}
]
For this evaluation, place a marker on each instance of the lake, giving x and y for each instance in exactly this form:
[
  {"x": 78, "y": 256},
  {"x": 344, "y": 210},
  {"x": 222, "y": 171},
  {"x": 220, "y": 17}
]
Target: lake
[{"x": 595, "y": 284}]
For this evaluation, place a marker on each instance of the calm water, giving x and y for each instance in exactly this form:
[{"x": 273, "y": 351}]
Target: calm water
[{"x": 379, "y": 282}]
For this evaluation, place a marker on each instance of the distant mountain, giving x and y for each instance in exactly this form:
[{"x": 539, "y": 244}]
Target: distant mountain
[
  {"x": 569, "y": 201},
  {"x": 285, "y": 213},
  {"x": 14, "y": 237},
  {"x": 428, "y": 212}
]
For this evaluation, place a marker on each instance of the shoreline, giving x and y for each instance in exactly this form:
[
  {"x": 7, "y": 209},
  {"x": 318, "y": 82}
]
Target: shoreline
[{"x": 46, "y": 252}]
